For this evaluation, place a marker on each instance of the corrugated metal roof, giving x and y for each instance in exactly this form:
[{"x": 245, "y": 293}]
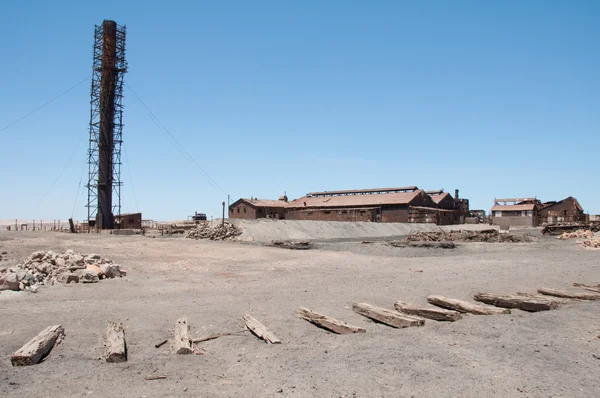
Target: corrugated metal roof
[
  {"x": 436, "y": 192},
  {"x": 524, "y": 207},
  {"x": 266, "y": 202},
  {"x": 401, "y": 198},
  {"x": 515, "y": 200},
  {"x": 438, "y": 198},
  {"x": 361, "y": 191}
]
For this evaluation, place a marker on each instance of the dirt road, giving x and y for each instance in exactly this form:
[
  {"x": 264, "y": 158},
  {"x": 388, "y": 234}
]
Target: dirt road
[{"x": 546, "y": 354}]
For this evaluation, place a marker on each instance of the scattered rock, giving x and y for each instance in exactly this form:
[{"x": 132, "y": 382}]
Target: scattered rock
[
  {"x": 96, "y": 269},
  {"x": 46, "y": 268},
  {"x": 214, "y": 231},
  {"x": 10, "y": 282},
  {"x": 489, "y": 235},
  {"x": 292, "y": 245},
  {"x": 68, "y": 277},
  {"x": 87, "y": 276}
]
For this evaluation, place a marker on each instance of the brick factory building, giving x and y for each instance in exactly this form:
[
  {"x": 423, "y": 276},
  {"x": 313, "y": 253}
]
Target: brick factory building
[
  {"x": 516, "y": 212},
  {"x": 251, "y": 209},
  {"x": 404, "y": 204},
  {"x": 566, "y": 210}
]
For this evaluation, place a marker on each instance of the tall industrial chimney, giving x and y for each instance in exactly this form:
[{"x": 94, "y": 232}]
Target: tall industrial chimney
[
  {"x": 106, "y": 125},
  {"x": 456, "y": 194},
  {"x": 105, "y": 218}
]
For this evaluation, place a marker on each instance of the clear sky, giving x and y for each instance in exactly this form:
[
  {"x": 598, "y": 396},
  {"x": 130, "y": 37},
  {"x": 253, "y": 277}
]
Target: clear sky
[{"x": 496, "y": 98}]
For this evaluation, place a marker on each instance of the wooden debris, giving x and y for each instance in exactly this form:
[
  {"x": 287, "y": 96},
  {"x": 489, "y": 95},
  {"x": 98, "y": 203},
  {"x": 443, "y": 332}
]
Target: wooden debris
[
  {"x": 591, "y": 288},
  {"x": 160, "y": 344},
  {"x": 260, "y": 330},
  {"x": 183, "y": 344},
  {"x": 437, "y": 314},
  {"x": 525, "y": 303},
  {"x": 464, "y": 306},
  {"x": 388, "y": 317},
  {"x": 570, "y": 295},
  {"x": 331, "y": 324},
  {"x": 215, "y": 336},
  {"x": 32, "y": 352},
  {"x": 116, "y": 349},
  {"x": 155, "y": 377}
]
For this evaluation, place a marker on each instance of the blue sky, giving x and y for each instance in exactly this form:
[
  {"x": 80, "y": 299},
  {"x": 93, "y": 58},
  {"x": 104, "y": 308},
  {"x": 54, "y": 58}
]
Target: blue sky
[{"x": 496, "y": 98}]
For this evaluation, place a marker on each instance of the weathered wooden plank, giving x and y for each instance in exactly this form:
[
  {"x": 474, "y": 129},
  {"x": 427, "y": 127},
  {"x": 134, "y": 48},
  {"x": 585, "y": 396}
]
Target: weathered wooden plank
[
  {"x": 591, "y": 288},
  {"x": 465, "y": 306},
  {"x": 114, "y": 343},
  {"x": 571, "y": 295},
  {"x": 32, "y": 352},
  {"x": 331, "y": 324},
  {"x": 525, "y": 303},
  {"x": 260, "y": 330},
  {"x": 388, "y": 317},
  {"x": 437, "y": 314},
  {"x": 183, "y": 344}
]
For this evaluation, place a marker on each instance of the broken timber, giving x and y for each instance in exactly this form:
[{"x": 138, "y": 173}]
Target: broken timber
[
  {"x": 437, "y": 314},
  {"x": 464, "y": 306},
  {"x": 116, "y": 350},
  {"x": 183, "y": 345},
  {"x": 531, "y": 304},
  {"x": 331, "y": 324},
  {"x": 591, "y": 288},
  {"x": 260, "y": 330},
  {"x": 565, "y": 294},
  {"x": 32, "y": 352},
  {"x": 388, "y": 317}
]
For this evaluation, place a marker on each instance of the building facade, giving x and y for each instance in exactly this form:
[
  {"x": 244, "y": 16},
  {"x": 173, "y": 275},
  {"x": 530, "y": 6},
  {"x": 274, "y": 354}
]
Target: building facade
[
  {"x": 516, "y": 212},
  {"x": 252, "y": 209},
  {"x": 566, "y": 210}
]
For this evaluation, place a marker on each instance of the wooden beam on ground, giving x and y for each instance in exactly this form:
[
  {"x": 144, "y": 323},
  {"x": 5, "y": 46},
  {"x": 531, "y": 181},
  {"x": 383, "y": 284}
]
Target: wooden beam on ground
[
  {"x": 260, "y": 330},
  {"x": 183, "y": 344},
  {"x": 388, "y": 317},
  {"x": 464, "y": 306},
  {"x": 32, "y": 352},
  {"x": 531, "y": 304},
  {"x": 565, "y": 294},
  {"x": 115, "y": 347},
  {"x": 437, "y": 314},
  {"x": 331, "y": 324},
  {"x": 591, "y": 288}
]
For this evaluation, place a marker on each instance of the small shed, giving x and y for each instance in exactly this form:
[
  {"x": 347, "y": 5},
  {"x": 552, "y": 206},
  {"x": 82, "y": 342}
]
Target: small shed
[
  {"x": 128, "y": 221},
  {"x": 252, "y": 209}
]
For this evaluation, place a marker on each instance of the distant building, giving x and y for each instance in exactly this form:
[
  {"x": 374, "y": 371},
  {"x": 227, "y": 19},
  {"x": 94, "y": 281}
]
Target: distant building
[
  {"x": 405, "y": 204},
  {"x": 251, "y": 209},
  {"x": 128, "y": 221},
  {"x": 445, "y": 201},
  {"x": 566, "y": 210},
  {"x": 522, "y": 212}
]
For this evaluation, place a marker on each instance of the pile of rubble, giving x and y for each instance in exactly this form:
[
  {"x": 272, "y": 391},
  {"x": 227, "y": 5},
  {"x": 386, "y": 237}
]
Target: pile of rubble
[
  {"x": 489, "y": 235},
  {"x": 292, "y": 245},
  {"x": 592, "y": 243},
  {"x": 214, "y": 231},
  {"x": 580, "y": 233},
  {"x": 559, "y": 228},
  {"x": 43, "y": 268}
]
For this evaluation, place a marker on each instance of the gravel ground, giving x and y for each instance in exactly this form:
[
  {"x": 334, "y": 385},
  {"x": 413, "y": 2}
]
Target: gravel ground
[{"x": 545, "y": 354}]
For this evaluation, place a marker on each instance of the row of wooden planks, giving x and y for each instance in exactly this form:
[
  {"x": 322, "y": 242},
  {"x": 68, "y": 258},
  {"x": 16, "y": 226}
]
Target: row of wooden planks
[
  {"x": 403, "y": 315},
  {"x": 406, "y": 315}
]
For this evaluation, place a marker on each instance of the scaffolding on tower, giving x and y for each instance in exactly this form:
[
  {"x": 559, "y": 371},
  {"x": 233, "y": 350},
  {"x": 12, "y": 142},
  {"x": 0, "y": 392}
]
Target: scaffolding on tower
[{"x": 106, "y": 125}]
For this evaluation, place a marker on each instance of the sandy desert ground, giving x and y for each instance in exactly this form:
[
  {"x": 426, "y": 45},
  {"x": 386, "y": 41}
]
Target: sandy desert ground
[{"x": 545, "y": 354}]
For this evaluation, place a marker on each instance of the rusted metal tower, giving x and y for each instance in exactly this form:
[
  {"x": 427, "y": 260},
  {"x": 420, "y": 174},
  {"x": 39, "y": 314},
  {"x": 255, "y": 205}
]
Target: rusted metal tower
[{"x": 106, "y": 125}]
